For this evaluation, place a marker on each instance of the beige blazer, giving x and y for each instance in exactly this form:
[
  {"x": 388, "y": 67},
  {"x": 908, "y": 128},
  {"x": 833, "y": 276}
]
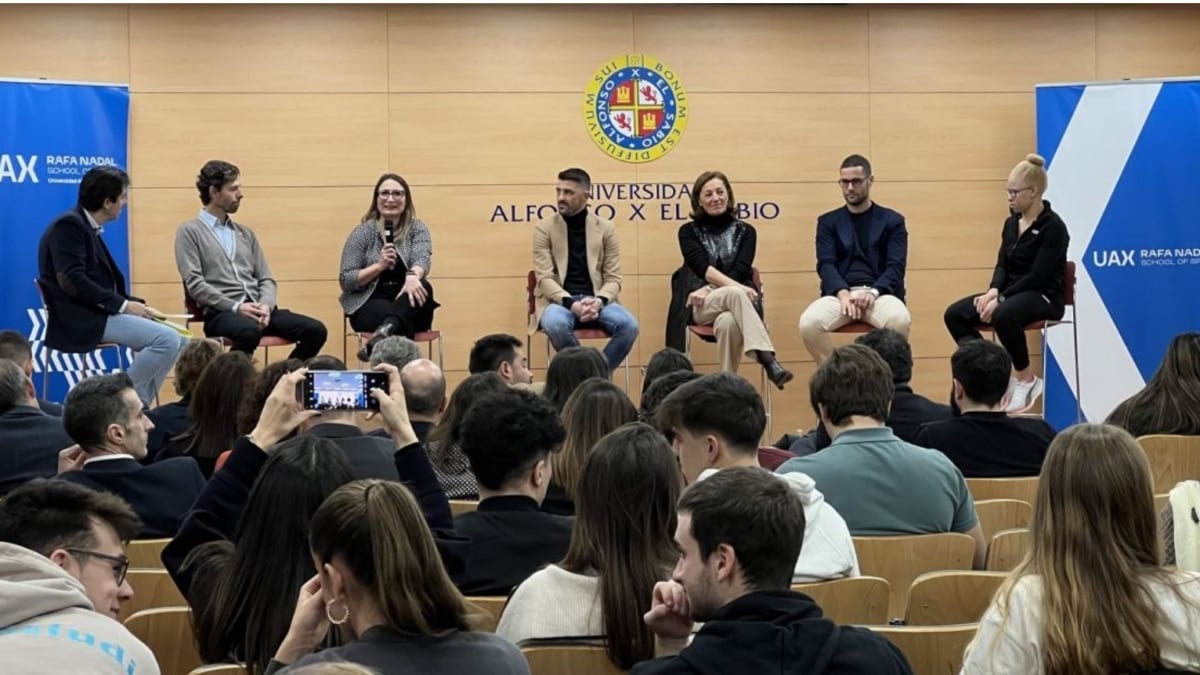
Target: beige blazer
[{"x": 550, "y": 261}]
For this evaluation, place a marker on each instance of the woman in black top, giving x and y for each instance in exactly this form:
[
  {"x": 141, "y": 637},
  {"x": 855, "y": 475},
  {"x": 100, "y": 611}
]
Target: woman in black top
[
  {"x": 1028, "y": 283},
  {"x": 716, "y": 284}
]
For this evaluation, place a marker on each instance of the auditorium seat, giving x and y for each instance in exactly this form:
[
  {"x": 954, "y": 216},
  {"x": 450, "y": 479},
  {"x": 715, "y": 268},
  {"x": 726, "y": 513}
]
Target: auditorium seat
[
  {"x": 461, "y": 506},
  {"x": 146, "y": 553},
  {"x": 931, "y": 650},
  {"x": 167, "y": 631},
  {"x": 492, "y": 606},
  {"x": 1002, "y": 514},
  {"x": 426, "y": 337},
  {"x": 151, "y": 589},
  {"x": 901, "y": 559},
  {"x": 1007, "y": 549},
  {"x": 221, "y": 669},
  {"x": 853, "y": 600},
  {"x": 770, "y": 457},
  {"x": 561, "y": 659},
  {"x": 532, "y": 329},
  {"x": 1173, "y": 459},
  {"x": 1023, "y": 489},
  {"x": 944, "y": 598}
]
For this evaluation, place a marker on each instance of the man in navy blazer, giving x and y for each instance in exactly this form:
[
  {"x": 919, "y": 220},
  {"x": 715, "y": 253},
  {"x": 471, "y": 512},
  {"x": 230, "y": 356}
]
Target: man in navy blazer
[
  {"x": 862, "y": 251},
  {"x": 29, "y": 438},
  {"x": 16, "y": 348},
  {"x": 85, "y": 293},
  {"x": 108, "y": 422}
]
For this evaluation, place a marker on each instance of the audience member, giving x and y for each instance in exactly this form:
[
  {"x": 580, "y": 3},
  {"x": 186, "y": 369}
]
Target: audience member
[
  {"x": 880, "y": 484},
  {"x": 664, "y": 362},
  {"x": 332, "y": 668},
  {"x": 1170, "y": 401},
  {"x": 714, "y": 423},
  {"x": 739, "y": 534},
  {"x": 508, "y": 438},
  {"x": 660, "y": 390},
  {"x": 108, "y": 423},
  {"x": 370, "y": 456},
  {"x": 620, "y": 548},
  {"x": 62, "y": 582},
  {"x": 14, "y": 347},
  {"x": 503, "y": 354},
  {"x": 396, "y": 350},
  {"x": 30, "y": 439},
  {"x": 1091, "y": 596},
  {"x": 174, "y": 419},
  {"x": 216, "y": 398},
  {"x": 597, "y": 407},
  {"x": 256, "y": 399},
  {"x": 425, "y": 393},
  {"x": 445, "y": 451},
  {"x": 983, "y": 441},
  {"x": 568, "y": 369},
  {"x": 380, "y": 581}
]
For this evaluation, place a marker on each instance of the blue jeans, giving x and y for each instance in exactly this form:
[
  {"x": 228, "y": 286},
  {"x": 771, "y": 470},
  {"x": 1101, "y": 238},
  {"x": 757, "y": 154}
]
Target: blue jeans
[
  {"x": 157, "y": 347},
  {"x": 560, "y": 324}
]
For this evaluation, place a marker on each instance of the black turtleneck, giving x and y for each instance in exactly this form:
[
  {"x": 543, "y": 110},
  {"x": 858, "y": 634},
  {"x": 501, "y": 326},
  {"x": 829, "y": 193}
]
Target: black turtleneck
[
  {"x": 577, "y": 280},
  {"x": 696, "y": 256}
]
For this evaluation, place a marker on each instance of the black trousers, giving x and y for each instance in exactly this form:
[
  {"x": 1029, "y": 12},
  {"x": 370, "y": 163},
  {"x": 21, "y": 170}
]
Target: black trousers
[
  {"x": 408, "y": 320},
  {"x": 1009, "y": 320},
  {"x": 308, "y": 333}
]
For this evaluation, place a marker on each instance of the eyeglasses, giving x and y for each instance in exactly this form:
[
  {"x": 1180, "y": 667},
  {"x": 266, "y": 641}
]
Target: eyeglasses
[
  {"x": 1014, "y": 193},
  {"x": 120, "y": 564},
  {"x": 391, "y": 194},
  {"x": 856, "y": 182}
]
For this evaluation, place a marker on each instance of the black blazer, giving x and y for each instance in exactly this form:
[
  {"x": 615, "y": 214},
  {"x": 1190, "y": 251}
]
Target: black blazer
[
  {"x": 170, "y": 420},
  {"x": 80, "y": 281},
  {"x": 161, "y": 494},
  {"x": 887, "y": 249},
  {"x": 29, "y": 444},
  {"x": 510, "y": 540},
  {"x": 369, "y": 456}
]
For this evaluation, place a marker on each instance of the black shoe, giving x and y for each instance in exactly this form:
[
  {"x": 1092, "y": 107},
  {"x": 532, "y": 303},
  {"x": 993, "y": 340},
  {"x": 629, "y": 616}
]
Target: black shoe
[
  {"x": 364, "y": 354},
  {"x": 778, "y": 374}
]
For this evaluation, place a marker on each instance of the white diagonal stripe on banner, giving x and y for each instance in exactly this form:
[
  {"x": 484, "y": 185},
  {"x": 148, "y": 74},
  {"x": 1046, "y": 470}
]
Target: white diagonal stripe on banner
[{"x": 1087, "y": 166}]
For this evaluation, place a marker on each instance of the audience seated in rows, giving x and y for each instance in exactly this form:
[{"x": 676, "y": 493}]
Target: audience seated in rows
[
  {"x": 664, "y": 362},
  {"x": 174, "y": 419},
  {"x": 108, "y": 423},
  {"x": 662, "y": 387},
  {"x": 739, "y": 534},
  {"x": 620, "y": 547},
  {"x": 369, "y": 456},
  {"x": 880, "y": 484},
  {"x": 380, "y": 581},
  {"x": 213, "y": 409},
  {"x": 503, "y": 354},
  {"x": 445, "y": 439},
  {"x": 595, "y": 408},
  {"x": 62, "y": 582},
  {"x": 509, "y": 437},
  {"x": 907, "y": 411},
  {"x": 1170, "y": 401},
  {"x": 569, "y": 369},
  {"x": 1091, "y": 597},
  {"x": 30, "y": 439},
  {"x": 714, "y": 423},
  {"x": 14, "y": 347},
  {"x": 983, "y": 441}
]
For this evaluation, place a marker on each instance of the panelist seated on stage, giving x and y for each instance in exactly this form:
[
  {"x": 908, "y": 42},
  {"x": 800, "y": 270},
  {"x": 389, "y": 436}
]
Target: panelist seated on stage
[
  {"x": 862, "y": 253},
  {"x": 85, "y": 292},
  {"x": 225, "y": 271},
  {"x": 577, "y": 261},
  {"x": 385, "y": 268}
]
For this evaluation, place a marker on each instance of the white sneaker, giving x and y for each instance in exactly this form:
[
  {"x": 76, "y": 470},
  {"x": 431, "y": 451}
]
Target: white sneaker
[{"x": 1024, "y": 395}]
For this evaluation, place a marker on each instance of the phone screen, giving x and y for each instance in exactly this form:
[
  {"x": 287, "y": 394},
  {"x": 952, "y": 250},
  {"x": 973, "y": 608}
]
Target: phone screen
[{"x": 342, "y": 389}]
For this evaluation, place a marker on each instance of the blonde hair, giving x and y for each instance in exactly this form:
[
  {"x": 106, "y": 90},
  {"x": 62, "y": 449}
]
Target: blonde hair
[
  {"x": 1094, "y": 543},
  {"x": 346, "y": 668},
  {"x": 1032, "y": 172}
]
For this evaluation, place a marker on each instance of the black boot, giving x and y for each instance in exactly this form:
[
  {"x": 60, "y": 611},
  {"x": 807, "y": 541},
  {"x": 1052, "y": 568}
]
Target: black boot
[
  {"x": 385, "y": 329},
  {"x": 776, "y": 373}
]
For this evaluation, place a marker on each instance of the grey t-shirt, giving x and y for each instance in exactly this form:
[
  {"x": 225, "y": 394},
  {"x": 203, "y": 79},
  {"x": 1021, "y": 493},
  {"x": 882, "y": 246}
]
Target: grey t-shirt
[
  {"x": 392, "y": 652},
  {"x": 884, "y": 486}
]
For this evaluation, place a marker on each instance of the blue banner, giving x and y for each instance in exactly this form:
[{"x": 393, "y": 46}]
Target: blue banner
[
  {"x": 1123, "y": 159},
  {"x": 51, "y": 133}
]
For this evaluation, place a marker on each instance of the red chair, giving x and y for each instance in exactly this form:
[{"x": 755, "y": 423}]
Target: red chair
[
  {"x": 427, "y": 337},
  {"x": 1044, "y": 326},
  {"x": 581, "y": 334},
  {"x": 48, "y": 359},
  {"x": 771, "y": 457},
  {"x": 196, "y": 315}
]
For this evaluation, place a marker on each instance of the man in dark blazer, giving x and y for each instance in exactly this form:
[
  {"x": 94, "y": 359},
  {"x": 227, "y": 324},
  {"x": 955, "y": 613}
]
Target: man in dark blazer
[
  {"x": 108, "y": 422},
  {"x": 15, "y": 347},
  {"x": 85, "y": 293},
  {"x": 862, "y": 252},
  {"x": 30, "y": 440}
]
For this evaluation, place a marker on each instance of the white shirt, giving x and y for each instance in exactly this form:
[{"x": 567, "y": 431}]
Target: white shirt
[
  {"x": 99, "y": 230},
  {"x": 105, "y": 458}
]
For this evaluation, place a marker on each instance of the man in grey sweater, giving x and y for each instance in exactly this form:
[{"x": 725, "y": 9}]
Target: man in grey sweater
[{"x": 224, "y": 270}]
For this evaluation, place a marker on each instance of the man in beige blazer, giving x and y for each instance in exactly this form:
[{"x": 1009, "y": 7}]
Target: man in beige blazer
[{"x": 577, "y": 260}]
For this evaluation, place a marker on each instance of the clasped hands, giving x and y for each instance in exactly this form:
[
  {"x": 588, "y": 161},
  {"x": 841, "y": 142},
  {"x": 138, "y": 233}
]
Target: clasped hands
[
  {"x": 587, "y": 309},
  {"x": 256, "y": 312},
  {"x": 856, "y": 303},
  {"x": 986, "y": 304}
]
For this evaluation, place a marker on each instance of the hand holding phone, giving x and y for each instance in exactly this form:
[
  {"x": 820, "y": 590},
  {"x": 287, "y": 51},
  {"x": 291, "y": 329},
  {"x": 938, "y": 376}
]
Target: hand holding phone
[{"x": 342, "y": 390}]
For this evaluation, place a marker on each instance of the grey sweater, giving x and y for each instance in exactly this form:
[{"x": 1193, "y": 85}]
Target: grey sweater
[
  {"x": 215, "y": 280},
  {"x": 392, "y": 652}
]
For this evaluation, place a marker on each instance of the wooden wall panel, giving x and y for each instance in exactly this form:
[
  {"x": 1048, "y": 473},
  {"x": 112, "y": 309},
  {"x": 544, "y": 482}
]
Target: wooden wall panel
[
  {"x": 951, "y": 224},
  {"x": 278, "y": 140},
  {"x": 87, "y": 43},
  {"x": 1147, "y": 41},
  {"x": 244, "y": 48},
  {"x": 979, "y": 49}
]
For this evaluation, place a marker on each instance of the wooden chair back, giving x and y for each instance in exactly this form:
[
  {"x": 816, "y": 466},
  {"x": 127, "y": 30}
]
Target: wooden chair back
[
  {"x": 854, "y": 600},
  {"x": 221, "y": 669},
  {"x": 491, "y": 608},
  {"x": 461, "y": 506},
  {"x": 1006, "y": 549},
  {"x": 944, "y": 598},
  {"x": 168, "y": 633},
  {"x": 931, "y": 650},
  {"x": 1173, "y": 459},
  {"x": 1002, "y": 514},
  {"x": 902, "y": 559},
  {"x": 151, "y": 589},
  {"x": 146, "y": 553},
  {"x": 1023, "y": 489},
  {"x": 569, "y": 660}
]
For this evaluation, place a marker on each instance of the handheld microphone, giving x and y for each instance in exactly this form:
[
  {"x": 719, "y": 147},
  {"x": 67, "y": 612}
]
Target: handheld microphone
[{"x": 389, "y": 236}]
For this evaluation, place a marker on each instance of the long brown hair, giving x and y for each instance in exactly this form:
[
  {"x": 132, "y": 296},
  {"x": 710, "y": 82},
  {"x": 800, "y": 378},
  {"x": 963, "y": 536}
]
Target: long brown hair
[
  {"x": 1170, "y": 401},
  {"x": 445, "y": 434},
  {"x": 407, "y": 216},
  {"x": 594, "y": 409},
  {"x": 377, "y": 529},
  {"x": 216, "y": 398},
  {"x": 624, "y": 529},
  {"x": 1094, "y": 544}
]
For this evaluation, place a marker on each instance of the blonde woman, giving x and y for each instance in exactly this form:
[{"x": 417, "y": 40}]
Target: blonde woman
[
  {"x": 1028, "y": 283},
  {"x": 1091, "y": 597}
]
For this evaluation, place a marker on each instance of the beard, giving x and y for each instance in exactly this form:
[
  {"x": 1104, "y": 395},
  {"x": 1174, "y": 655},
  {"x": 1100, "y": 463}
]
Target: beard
[{"x": 233, "y": 207}]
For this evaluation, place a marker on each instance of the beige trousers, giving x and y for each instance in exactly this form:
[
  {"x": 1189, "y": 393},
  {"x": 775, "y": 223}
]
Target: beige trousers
[
  {"x": 735, "y": 323},
  {"x": 825, "y": 316}
]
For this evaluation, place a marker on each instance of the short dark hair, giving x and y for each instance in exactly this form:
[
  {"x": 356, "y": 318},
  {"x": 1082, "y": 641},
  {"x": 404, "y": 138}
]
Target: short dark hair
[
  {"x": 895, "y": 350},
  {"x": 983, "y": 369},
  {"x": 857, "y": 161},
  {"x": 576, "y": 175},
  {"x": 48, "y": 514},
  {"x": 92, "y": 405},
  {"x": 325, "y": 362},
  {"x": 15, "y": 347},
  {"x": 505, "y": 433},
  {"x": 660, "y": 389},
  {"x": 101, "y": 184},
  {"x": 215, "y": 173},
  {"x": 721, "y": 403},
  {"x": 854, "y": 380},
  {"x": 12, "y": 385},
  {"x": 570, "y": 368},
  {"x": 193, "y": 359},
  {"x": 664, "y": 361},
  {"x": 757, "y": 514},
  {"x": 490, "y": 351}
]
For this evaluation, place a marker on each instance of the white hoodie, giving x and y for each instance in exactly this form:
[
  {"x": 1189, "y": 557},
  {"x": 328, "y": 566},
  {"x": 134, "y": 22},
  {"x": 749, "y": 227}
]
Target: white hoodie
[
  {"x": 48, "y": 626},
  {"x": 827, "y": 551}
]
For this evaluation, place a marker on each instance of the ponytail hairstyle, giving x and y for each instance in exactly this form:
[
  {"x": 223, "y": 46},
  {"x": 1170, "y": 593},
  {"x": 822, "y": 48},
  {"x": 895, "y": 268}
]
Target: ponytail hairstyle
[
  {"x": 1032, "y": 172},
  {"x": 377, "y": 529}
]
